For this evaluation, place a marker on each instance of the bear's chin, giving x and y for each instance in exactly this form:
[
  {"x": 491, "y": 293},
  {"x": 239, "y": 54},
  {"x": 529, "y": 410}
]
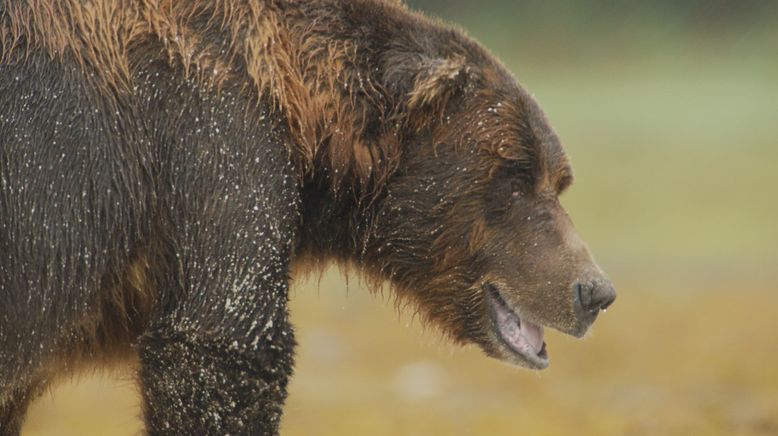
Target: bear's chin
[{"x": 514, "y": 340}]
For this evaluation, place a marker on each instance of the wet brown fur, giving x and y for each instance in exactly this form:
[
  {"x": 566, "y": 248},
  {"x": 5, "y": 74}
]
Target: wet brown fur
[
  {"x": 312, "y": 77},
  {"x": 348, "y": 125},
  {"x": 311, "y": 69},
  {"x": 304, "y": 58}
]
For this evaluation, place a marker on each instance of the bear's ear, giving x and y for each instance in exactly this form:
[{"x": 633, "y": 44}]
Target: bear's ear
[
  {"x": 437, "y": 81},
  {"x": 425, "y": 85}
]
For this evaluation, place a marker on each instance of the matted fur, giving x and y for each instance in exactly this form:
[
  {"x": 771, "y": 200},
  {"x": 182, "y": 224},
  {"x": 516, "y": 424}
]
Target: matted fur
[
  {"x": 347, "y": 117},
  {"x": 310, "y": 75}
]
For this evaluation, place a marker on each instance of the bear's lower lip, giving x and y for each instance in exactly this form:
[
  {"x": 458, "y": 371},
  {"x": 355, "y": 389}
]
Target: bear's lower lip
[{"x": 521, "y": 337}]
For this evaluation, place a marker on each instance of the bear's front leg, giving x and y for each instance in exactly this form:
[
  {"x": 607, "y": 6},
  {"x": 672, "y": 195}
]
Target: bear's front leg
[
  {"x": 217, "y": 354},
  {"x": 197, "y": 384}
]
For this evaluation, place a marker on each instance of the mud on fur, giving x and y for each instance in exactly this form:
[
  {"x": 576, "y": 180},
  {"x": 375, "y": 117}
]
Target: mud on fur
[{"x": 165, "y": 165}]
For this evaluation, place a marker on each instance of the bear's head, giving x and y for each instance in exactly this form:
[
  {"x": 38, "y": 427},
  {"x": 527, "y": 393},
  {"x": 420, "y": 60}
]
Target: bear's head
[{"x": 470, "y": 227}]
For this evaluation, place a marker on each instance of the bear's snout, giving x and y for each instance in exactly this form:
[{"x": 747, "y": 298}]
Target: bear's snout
[{"x": 590, "y": 297}]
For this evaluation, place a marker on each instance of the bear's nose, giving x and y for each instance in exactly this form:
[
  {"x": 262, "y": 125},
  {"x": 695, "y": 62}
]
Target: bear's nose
[{"x": 595, "y": 295}]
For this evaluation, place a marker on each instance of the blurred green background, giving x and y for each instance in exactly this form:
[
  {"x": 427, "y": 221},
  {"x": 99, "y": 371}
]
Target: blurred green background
[{"x": 669, "y": 112}]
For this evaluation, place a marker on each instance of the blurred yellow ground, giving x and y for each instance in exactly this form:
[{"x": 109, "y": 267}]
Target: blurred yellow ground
[{"x": 697, "y": 361}]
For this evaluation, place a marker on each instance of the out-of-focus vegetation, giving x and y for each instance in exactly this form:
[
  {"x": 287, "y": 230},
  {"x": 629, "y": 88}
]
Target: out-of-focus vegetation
[{"x": 669, "y": 111}]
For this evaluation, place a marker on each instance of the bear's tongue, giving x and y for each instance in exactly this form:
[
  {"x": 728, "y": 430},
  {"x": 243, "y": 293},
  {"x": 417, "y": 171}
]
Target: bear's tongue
[
  {"x": 522, "y": 335},
  {"x": 533, "y": 333}
]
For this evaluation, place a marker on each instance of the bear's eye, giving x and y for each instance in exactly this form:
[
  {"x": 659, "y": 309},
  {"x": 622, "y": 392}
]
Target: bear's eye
[
  {"x": 517, "y": 191},
  {"x": 521, "y": 173}
]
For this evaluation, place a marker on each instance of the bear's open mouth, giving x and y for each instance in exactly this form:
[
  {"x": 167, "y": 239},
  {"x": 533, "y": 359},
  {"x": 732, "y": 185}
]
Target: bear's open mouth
[{"x": 519, "y": 336}]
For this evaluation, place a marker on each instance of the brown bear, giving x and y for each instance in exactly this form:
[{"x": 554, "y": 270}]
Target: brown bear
[{"x": 166, "y": 164}]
